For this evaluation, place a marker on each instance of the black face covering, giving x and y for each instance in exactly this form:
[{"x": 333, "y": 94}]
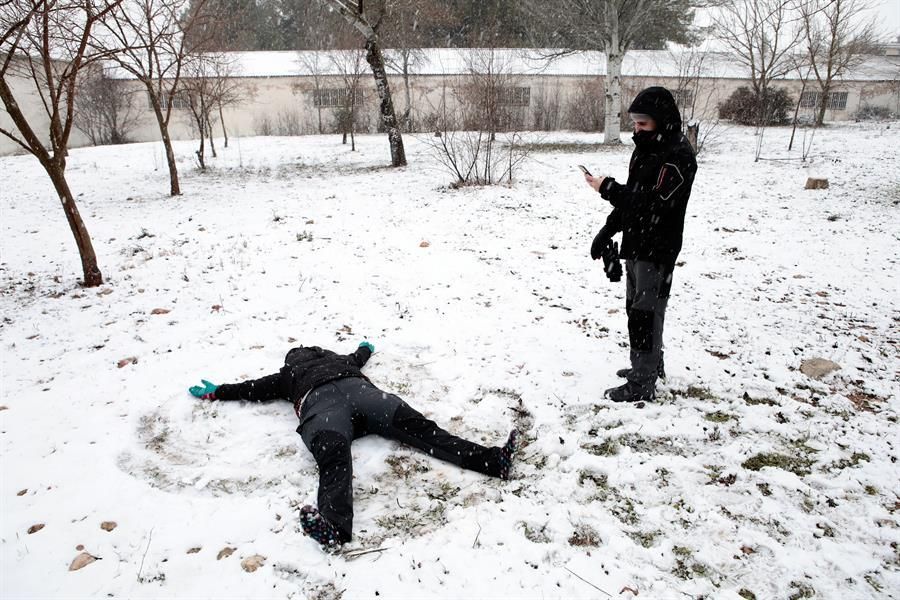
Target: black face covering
[{"x": 646, "y": 139}]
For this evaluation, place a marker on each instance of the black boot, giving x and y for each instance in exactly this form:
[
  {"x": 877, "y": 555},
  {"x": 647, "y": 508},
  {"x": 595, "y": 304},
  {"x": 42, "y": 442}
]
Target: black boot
[
  {"x": 630, "y": 392},
  {"x": 660, "y": 372}
]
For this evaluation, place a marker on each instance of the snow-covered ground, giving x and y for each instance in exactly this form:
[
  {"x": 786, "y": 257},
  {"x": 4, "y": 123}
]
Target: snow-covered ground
[{"x": 500, "y": 319}]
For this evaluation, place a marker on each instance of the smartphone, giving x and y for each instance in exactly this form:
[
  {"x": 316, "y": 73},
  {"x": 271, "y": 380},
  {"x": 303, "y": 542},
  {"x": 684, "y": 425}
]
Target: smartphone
[{"x": 584, "y": 170}]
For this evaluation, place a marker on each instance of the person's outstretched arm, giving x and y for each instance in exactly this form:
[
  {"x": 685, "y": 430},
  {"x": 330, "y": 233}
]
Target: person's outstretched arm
[
  {"x": 362, "y": 354},
  {"x": 270, "y": 387}
]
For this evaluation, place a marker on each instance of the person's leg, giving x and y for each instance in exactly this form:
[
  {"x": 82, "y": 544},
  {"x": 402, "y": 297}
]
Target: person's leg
[
  {"x": 411, "y": 427},
  {"x": 327, "y": 430},
  {"x": 645, "y": 323},
  {"x": 630, "y": 292},
  {"x": 387, "y": 415}
]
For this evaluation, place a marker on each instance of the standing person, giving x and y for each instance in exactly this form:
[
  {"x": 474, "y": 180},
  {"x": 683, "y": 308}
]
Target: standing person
[
  {"x": 649, "y": 210},
  {"x": 337, "y": 404}
]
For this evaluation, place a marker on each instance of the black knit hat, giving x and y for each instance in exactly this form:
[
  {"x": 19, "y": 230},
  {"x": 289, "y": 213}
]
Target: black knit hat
[{"x": 658, "y": 103}]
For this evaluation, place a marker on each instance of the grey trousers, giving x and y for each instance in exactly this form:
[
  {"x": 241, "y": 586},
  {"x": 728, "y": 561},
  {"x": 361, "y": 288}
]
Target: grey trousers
[{"x": 647, "y": 288}]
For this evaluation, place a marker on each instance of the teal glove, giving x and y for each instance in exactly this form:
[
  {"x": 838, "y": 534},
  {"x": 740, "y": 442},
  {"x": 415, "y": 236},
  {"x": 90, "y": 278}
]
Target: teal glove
[
  {"x": 205, "y": 391},
  {"x": 367, "y": 345}
]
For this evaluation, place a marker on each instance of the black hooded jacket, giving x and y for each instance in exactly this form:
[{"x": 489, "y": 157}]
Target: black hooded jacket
[
  {"x": 305, "y": 368},
  {"x": 649, "y": 208}
]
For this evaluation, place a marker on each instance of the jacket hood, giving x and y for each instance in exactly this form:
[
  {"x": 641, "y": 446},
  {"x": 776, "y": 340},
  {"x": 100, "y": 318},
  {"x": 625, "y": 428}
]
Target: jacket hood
[{"x": 659, "y": 103}]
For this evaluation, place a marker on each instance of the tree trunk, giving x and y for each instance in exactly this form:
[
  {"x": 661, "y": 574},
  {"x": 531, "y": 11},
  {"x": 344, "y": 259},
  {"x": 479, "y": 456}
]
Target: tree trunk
[
  {"x": 407, "y": 112},
  {"x": 613, "y": 118},
  {"x": 174, "y": 188},
  {"x": 92, "y": 275},
  {"x": 824, "y": 101},
  {"x": 222, "y": 121},
  {"x": 209, "y": 134},
  {"x": 388, "y": 116}
]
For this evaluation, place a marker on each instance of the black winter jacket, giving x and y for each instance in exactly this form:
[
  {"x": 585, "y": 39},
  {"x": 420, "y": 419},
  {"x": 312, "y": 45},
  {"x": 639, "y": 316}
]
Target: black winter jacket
[
  {"x": 649, "y": 209},
  {"x": 305, "y": 368}
]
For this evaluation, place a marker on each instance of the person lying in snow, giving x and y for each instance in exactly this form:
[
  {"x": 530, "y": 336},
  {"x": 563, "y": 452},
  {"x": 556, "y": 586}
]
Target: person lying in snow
[{"x": 337, "y": 404}]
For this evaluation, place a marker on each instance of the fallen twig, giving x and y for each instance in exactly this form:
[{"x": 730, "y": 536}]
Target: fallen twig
[
  {"x": 350, "y": 555},
  {"x": 475, "y": 543},
  {"x": 147, "y": 549},
  {"x": 586, "y": 581}
]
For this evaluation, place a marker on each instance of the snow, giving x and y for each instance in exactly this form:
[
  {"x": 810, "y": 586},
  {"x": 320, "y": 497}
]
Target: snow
[
  {"x": 673, "y": 62},
  {"x": 502, "y": 320}
]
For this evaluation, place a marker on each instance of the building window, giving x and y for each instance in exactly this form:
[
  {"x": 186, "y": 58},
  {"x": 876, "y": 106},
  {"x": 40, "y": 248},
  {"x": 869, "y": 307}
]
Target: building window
[
  {"x": 179, "y": 100},
  {"x": 515, "y": 96},
  {"x": 836, "y": 100},
  {"x": 684, "y": 97},
  {"x": 326, "y": 97}
]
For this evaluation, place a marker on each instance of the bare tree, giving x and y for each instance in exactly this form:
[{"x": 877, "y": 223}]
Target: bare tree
[
  {"x": 349, "y": 63},
  {"x": 198, "y": 87},
  {"x": 105, "y": 110},
  {"x": 46, "y": 41},
  {"x": 488, "y": 149},
  {"x": 312, "y": 62},
  {"x": 150, "y": 39},
  {"x": 368, "y": 26},
  {"x": 613, "y": 27},
  {"x": 837, "y": 38},
  {"x": 763, "y": 34}
]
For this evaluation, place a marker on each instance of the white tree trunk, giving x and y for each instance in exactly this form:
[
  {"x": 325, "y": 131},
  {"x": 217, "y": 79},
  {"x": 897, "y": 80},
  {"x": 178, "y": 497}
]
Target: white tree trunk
[
  {"x": 614, "y": 55},
  {"x": 612, "y": 131}
]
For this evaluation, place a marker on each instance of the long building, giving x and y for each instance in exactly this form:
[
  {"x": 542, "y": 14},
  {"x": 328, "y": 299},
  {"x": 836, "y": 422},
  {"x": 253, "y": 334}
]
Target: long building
[{"x": 296, "y": 93}]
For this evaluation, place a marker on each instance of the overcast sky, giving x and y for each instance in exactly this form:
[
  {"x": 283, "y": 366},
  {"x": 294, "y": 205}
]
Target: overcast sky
[{"x": 889, "y": 14}]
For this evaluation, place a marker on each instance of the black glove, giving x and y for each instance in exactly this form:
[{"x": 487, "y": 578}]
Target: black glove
[
  {"x": 600, "y": 242},
  {"x": 611, "y": 263}
]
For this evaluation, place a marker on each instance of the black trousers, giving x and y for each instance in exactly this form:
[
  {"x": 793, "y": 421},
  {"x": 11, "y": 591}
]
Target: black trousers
[
  {"x": 647, "y": 288},
  {"x": 336, "y": 413}
]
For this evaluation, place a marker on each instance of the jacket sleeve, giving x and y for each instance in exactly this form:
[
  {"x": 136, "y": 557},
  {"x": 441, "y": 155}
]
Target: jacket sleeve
[
  {"x": 613, "y": 223},
  {"x": 361, "y": 356},
  {"x": 674, "y": 175},
  {"x": 269, "y": 387}
]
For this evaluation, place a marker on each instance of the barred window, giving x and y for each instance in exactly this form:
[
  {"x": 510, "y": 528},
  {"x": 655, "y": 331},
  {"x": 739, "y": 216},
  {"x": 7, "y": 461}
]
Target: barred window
[
  {"x": 684, "y": 97},
  {"x": 836, "y": 100},
  {"x": 179, "y": 100},
  {"x": 809, "y": 99},
  {"x": 515, "y": 96},
  {"x": 326, "y": 97}
]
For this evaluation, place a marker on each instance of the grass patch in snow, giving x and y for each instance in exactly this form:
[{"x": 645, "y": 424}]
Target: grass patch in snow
[
  {"x": 846, "y": 463},
  {"x": 718, "y": 417},
  {"x": 567, "y": 147},
  {"x": 537, "y": 535},
  {"x": 584, "y": 535},
  {"x": 797, "y": 465},
  {"x": 645, "y": 539},
  {"x": 607, "y": 447}
]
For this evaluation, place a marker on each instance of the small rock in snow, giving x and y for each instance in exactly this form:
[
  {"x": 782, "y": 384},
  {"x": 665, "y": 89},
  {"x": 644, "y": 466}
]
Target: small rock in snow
[
  {"x": 160, "y": 311},
  {"x": 82, "y": 560},
  {"x": 194, "y": 550},
  {"x": 108, "y": 525},
  {"x": 225, "y": 553},
  {"x": 817, "y": 368},
  {"x": 252, "y": 563},
  {"x": 35, "y": 528}
]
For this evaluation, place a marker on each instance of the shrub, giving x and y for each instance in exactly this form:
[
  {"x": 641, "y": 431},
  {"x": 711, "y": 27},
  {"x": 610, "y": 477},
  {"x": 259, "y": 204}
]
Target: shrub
[
  {"x": 867, "y": 112},
  {"x": 745, "y": 106}
]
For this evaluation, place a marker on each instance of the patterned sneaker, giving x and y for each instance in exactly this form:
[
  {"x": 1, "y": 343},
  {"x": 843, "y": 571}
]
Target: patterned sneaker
[
  {"x": 507, "y": 452},
  {"x": 315, "y": 526}
]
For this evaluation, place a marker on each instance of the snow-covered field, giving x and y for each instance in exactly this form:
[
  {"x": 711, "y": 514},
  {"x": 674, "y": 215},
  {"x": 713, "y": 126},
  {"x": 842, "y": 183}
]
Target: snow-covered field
[{"x": 746, "y": 479}]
